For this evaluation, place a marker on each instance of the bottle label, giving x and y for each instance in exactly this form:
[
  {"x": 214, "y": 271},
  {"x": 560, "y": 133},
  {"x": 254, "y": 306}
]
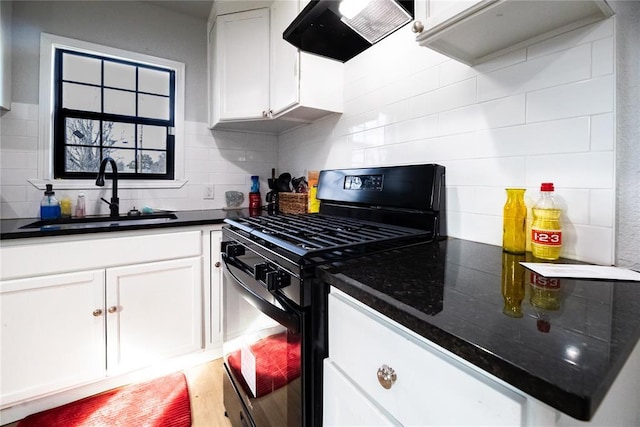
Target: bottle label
[{"x": 546, "y": 237}]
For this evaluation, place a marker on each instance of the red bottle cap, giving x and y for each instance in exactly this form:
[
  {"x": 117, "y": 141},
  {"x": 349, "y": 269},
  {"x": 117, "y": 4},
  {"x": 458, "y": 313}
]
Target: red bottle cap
[{"x": 546, "y": 186}]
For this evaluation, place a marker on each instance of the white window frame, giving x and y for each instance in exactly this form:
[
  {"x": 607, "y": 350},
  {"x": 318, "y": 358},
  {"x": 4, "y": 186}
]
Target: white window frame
[{"x": 48, "y": 44}]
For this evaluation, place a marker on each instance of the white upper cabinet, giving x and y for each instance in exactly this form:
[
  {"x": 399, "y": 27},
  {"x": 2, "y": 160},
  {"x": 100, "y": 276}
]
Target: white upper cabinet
[
  {"x": 5, "y": 55},
  {"x": 242, "y": 65},
  {"x": 475, "y": 31},
  {"x": 258, "y": 81}
]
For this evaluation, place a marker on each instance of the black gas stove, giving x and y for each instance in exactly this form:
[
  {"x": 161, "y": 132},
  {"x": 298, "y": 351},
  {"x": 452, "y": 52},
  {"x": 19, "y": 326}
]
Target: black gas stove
[{"x": 271, "y": 261}]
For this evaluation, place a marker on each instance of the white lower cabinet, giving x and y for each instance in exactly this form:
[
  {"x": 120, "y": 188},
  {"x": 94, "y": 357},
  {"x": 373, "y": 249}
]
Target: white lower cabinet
[
  {"x": 383, "y": 366},
  {"x": 104, "y": 316},
  {"x": 153, "y": 313},
  {"x": 52, "y": 334}
]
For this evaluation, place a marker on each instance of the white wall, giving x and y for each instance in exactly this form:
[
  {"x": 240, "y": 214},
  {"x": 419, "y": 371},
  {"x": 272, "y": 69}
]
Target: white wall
[{"x": 546, "y": 113}]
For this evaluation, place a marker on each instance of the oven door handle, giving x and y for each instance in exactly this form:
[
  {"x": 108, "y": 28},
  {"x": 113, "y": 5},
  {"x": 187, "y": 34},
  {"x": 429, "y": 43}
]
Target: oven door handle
[{"x": 288, "y": 319}]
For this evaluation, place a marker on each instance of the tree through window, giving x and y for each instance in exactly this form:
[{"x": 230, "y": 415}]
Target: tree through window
[{"x": 108, "y": 107}]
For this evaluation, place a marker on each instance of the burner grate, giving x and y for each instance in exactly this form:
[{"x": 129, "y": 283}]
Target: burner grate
[{"x": 312, "y": 233}]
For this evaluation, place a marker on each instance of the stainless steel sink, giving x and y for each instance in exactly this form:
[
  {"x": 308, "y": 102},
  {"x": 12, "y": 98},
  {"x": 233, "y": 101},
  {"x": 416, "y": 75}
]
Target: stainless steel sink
[{"x": 100, "y": 221}]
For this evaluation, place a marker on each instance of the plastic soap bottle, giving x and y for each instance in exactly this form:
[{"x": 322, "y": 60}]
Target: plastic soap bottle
[
  {"x": 49, "y": 206},
  {"x": 80, "y": 207},
  {"x": 546, "y": 232}
]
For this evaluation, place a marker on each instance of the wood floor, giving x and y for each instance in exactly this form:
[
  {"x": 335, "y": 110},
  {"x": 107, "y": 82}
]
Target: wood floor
[{"x": 205, "y": 392}]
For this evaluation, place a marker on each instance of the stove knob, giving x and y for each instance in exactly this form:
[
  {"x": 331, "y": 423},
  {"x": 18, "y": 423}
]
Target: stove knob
[
  {"x": 277, "y": 280},
  {"x": 232, "y": 249},
  {"x": 260, "y": 271}
]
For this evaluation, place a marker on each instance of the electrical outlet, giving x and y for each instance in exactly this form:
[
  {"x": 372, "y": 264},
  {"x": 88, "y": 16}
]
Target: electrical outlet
[{"x": 208, "y": 192}]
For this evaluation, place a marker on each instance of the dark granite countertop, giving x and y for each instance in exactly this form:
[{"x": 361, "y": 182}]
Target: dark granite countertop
[
  {"x": 566, "y": 350},
  {"x": 11, "y": 228}
]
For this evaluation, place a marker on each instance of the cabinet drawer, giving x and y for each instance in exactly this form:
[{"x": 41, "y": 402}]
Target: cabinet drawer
[
  {"x": 48, "y": 256},
  {"x": 431, "y": 387}
]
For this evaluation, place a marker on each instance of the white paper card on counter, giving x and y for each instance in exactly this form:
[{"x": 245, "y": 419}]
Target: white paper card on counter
[
  {"x": 578, "y": 271},
  {"x": 248, "y": 368}
]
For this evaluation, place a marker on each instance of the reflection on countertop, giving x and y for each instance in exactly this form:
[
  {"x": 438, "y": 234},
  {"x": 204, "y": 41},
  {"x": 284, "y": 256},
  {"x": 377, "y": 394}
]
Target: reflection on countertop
[{"x": 562, "y": 341}]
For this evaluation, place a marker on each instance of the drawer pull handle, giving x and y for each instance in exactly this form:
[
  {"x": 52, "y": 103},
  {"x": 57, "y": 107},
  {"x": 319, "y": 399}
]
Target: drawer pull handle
[
  {"x": 97, "y": 312},
  {"x": 112, "y": 309},
  {"x": 386, "y": 376}
]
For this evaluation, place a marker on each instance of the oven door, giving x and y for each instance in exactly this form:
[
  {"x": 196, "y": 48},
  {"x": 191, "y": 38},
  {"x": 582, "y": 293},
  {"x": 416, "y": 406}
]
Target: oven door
[{"x": 262, "y": 347}]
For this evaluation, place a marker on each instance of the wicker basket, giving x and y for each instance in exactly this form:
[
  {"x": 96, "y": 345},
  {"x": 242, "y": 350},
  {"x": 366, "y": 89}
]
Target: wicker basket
[{"x": 292, "y": 203}]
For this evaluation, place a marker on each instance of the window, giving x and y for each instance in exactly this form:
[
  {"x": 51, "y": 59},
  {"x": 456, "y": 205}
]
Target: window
[
  {"x": 115, "y": 103},
  {"x": 112, "y": 107}
]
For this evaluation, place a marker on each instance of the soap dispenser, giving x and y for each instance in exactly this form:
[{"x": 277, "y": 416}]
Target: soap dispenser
[{"x": 49, "y": 206}]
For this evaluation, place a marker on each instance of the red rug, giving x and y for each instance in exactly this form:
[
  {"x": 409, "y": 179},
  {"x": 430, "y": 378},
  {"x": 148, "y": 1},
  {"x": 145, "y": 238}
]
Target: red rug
[{"x": 160, "y": 402}]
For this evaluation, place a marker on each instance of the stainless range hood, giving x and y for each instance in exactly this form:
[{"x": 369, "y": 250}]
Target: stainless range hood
[{"x": 328, "y": 28}]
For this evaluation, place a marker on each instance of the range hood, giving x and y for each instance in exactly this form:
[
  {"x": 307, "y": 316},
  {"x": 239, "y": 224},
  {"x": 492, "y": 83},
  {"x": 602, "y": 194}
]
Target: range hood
[{"x": 326, "y": 28}]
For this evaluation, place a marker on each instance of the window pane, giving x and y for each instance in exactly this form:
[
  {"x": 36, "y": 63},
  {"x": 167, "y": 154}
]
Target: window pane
[
  {"x": 118, "y": 75},
  {"x": 119, "y": 134},
  {"x": 81, "y": 69},
  {"x": 124, "y": 159},
  {"x": 152, "y": 137},
  {"x": 153, "y": 81},
  {"x": 82, "y": 159},
  {"x": 153, "y": 162},
  {"x": 81, "y": 97},
  {"x": 153, "y": 107},
  {"x": 82, "y": 131},
  {"x": 119, "y": 102}
]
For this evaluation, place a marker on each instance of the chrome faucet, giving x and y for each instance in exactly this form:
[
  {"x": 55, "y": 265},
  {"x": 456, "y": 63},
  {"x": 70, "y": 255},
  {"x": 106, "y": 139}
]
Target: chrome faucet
[{"x": 115, "y": 202}]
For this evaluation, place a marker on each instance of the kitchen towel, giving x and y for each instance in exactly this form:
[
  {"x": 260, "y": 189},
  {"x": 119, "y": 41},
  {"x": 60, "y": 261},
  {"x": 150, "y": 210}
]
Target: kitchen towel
[{"x": 160, "y": 402}]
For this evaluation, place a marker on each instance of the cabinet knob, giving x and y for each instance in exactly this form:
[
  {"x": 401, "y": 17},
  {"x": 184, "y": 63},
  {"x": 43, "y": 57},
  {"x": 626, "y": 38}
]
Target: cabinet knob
[
  {"x": 217, "y": 264},
  {"x": 112, "y": 309},
  {"x": 417, "y": 27},
  {"x": 97, "y": 312},
  {"x": 386, "y": 376}
]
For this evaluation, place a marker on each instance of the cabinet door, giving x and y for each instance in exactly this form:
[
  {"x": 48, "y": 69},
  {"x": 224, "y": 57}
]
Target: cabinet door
[
  {"x": 53, "y": 333},
  {"x": 345, "y": 405},
  {"x": 285, "y": 59},
  {"x": 154, "y": 312},
  {"x": 216, "y": 289},
  {"x": 242, "y": 64}
]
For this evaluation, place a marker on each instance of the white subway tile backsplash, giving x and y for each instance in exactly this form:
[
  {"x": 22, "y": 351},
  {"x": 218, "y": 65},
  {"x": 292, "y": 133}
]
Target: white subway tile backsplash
[
  {"x": 602, "y": 132},
  {"x": 559, "y": 68},
  {"x": 492, "y": 114},
  {"x": 491, "y": 172},
  {"x": 589, "y": 244},
  {"x": 13, "y": 127},
  {"x": 447, "y": 98},
  {"x": 453, "y": 71},
  {"x": 420, "y": 128},
  {"x": 580, "y": 170},
  {"x": 603, "y": 54},
  {"x": 587, "y": 97},
  {"x": 572, "y": 38},
  {"x": 601, "y": 208},
  {"x": 425, "y": 80}
]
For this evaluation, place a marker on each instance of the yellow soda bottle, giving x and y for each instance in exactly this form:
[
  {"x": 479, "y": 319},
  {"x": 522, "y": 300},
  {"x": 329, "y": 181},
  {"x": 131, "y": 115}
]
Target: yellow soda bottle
[{"x": 546, "y": 231}]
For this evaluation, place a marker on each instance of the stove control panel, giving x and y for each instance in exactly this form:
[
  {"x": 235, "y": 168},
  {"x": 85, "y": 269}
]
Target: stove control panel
[{"x": 363, "y": 182}]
